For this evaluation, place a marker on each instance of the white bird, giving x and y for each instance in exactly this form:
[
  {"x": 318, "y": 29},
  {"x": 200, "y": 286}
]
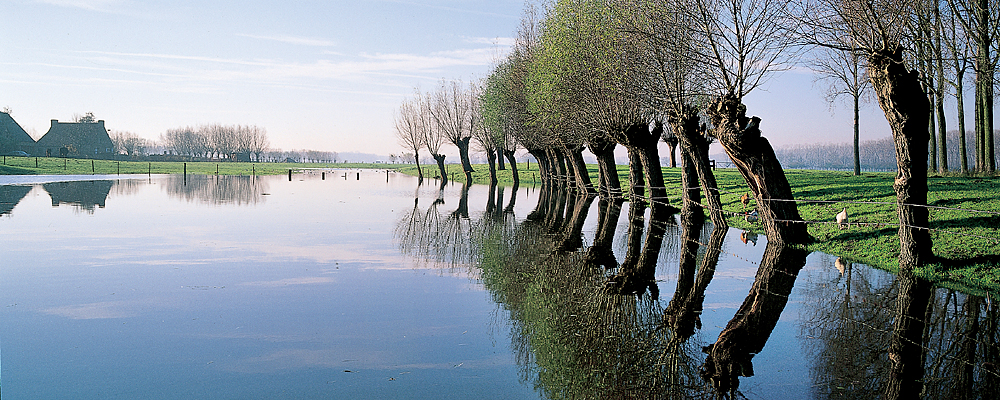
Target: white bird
[{"x": 842, "y": 218}]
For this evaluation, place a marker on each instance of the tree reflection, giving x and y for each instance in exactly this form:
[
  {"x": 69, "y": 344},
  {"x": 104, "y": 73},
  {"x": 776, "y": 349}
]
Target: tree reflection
[
  {"x": 900, "y": 338},
  {"x": 218, "y": 189},
  {"x": 838, "y": 319},
  {"x": 585, "y": 326},
  {"x": 730, "y": 357}
]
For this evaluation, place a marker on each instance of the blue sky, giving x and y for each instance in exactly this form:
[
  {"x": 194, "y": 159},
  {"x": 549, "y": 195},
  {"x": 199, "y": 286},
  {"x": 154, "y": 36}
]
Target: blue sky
[{"x": 322, "y": 75}]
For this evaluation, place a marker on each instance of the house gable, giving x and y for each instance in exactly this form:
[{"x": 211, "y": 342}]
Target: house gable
[
  {"x": 12, "y": 136},
  {"x": 76, "y": 139}
]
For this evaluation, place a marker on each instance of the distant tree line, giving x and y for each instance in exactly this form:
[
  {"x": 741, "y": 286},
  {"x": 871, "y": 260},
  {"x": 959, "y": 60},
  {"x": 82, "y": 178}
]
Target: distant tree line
[
  {"x": 874, "y": 155},
  {"x": 217, "y": 141}
]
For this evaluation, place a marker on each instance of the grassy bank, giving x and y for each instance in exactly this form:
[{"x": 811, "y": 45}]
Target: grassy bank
[
  {"x": 967, "y": 243},
  {"x": 71, "y": 166}
]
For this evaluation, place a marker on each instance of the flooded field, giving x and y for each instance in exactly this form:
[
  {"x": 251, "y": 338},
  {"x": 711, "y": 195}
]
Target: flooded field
[{"x": 347, "y": 284}]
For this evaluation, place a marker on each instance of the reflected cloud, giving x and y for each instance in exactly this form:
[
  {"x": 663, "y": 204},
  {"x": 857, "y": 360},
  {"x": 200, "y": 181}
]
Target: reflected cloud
[
  {"x": 310, "y": 280},
  {"x": 100, "y": 310}
]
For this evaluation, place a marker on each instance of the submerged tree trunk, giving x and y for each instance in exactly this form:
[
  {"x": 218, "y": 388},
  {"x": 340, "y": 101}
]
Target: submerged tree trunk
[
  {"x": 754, "y": 158},
  {"x": 440, "y": 162},
  {"x": 695, "y": 145},
  {"x": 420, "y": 171},
  {"x": 650, "y": 156},
  {"x": 604, "y": 149},
  {"x": 543, "y": 161},
  {"x": 463, "y": 154},
  {"x": 636, "y": 180},
  {"x": 690, "y": 194},
  {"x": 581, "y": 177},
  {"x": 513, "y": 166},
  {"x": 906, "y": 109},
  {"x": 491, "y": 159}
]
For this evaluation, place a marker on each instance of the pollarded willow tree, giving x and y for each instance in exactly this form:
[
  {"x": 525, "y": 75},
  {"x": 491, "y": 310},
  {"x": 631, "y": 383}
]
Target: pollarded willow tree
[
  {"x": 877, "y": 28},
  {"x": 741, "y": 43},
  {"x": 409, "y": 132},
  {"x": 588, "y": 73},
  {"x": 500, "y": 114},
  {"x": 676, "y": 87},
  {"x": 433, "y": 136},
  {"x": 454, "y": 114}
]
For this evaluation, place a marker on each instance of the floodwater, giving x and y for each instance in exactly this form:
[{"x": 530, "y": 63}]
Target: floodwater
[{"x": 347, "y": 284}]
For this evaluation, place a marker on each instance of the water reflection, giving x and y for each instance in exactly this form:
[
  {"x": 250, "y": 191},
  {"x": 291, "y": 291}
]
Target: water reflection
[
  {"x": 10, "y": 196},
  {"x": 83, "y": 195},
  {"x": 88, "y": 195},
  {"x": 217, "y": 189},
  {"x": 874, "y": 333},
  {"x": 587, "y": 319}
]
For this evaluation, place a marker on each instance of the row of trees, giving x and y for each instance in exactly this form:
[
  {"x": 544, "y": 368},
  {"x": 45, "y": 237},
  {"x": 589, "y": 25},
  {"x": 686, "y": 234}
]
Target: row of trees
[
  {"x": 449, "y": 114},
  {"x": 217, "y": 141},
  {"x": 602, "y": 73},
  {"x": 236, "y": 142}
]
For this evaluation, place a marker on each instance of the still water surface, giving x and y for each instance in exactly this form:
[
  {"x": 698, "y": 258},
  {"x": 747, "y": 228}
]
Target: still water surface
[{"x": 366, "y": 285}]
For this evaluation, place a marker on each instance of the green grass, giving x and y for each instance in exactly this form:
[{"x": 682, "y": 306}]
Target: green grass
[
  {"x": 965, "y": 243},
  {"x": 72, "y": 166}
]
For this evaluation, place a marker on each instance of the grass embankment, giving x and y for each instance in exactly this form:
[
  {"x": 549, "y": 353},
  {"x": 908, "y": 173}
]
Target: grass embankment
[
  {"x": 72, "y": 166},
  {"x": 966, "y": 243}
]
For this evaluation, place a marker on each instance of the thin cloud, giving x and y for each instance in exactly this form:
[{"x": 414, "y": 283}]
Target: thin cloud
[
  {"x": 497, "y": 41},
  {"x": 461, "y": 10},
  {"x": 94, "y": 5},
  {"x": 299, "y": 40}
]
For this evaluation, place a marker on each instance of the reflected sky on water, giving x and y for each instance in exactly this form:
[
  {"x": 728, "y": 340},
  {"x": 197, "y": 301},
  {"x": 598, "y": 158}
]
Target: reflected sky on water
[{"x": 348, "y": 286}]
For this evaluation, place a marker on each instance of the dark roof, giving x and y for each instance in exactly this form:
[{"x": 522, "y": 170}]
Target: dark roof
[
  {"x": 11, "y": 133},
  {"x": 86, "y": 137}
]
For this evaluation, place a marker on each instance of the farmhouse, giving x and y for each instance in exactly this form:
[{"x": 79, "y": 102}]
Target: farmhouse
[
  {"x": 13, "y": 137},
  {"x": 76, "y": 139}
]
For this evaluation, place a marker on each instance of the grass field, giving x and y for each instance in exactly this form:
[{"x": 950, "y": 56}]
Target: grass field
[
  {"x": 967, "y": 243},
  {"x": 71, "y": 166}
]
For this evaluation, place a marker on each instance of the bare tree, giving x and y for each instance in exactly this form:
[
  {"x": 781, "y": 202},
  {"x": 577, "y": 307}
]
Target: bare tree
[
  {"x": 434, "y": 137},
  {"x": 409, "y": 131},
  {"x": 845, "y": 75},
  {"x": 742, "y": 42},
  {"x": 453, "y": 113},
  {"x": 980, "y": 20},
  {"x": 128, "y": 143},
  {"x": 877, "y": 28}
]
